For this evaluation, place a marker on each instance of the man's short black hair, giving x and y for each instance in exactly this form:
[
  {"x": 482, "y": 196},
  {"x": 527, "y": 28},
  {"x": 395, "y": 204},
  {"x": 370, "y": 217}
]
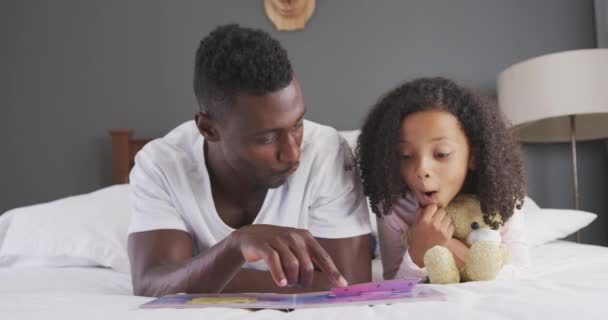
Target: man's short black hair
[{"x": 232, "y": 60}]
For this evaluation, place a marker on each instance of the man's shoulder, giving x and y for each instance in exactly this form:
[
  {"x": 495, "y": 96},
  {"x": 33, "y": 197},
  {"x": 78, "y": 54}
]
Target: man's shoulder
[
  {"x": 320, "y": 138},
  {"x": 175, "y": 148},
  {"x": 326, "y": 149}
]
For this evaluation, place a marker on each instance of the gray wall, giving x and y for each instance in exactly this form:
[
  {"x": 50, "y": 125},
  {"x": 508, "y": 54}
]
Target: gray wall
[
  {"x": 72, "y": 69},
  {"x": 601, "y": 23}
]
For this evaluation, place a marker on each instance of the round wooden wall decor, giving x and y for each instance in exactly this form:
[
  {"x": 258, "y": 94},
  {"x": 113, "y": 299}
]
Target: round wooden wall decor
[{"x": 289, "y": 15}]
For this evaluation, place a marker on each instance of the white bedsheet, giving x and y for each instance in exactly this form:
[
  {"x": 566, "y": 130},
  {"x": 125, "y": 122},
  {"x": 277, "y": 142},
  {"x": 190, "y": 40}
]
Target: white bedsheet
[
  {"x": 23, "y": 280},
  {"x": 566, "y": 281}
]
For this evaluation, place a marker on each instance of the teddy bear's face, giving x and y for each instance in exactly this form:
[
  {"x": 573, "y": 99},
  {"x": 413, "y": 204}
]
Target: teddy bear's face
[{"x": 466, "y": 215}]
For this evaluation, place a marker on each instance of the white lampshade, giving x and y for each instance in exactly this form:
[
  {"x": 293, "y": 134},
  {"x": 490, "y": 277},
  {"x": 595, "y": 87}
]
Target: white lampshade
[{"x": 539, "y": 94}]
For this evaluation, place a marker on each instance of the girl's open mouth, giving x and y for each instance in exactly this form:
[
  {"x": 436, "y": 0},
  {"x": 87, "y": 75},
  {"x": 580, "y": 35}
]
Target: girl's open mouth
[{"x": 429, "y": 197}]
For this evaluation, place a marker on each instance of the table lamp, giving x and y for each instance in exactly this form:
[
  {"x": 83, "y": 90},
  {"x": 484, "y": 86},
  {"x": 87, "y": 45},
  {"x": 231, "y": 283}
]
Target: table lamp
[{"x": 559, "y": 97}]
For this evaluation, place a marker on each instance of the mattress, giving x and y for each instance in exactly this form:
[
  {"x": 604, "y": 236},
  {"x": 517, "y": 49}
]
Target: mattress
[{"x": 565, "y": 281}]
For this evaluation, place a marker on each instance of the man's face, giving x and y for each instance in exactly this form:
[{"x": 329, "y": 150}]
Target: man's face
[{"x": 260, "y": 135}]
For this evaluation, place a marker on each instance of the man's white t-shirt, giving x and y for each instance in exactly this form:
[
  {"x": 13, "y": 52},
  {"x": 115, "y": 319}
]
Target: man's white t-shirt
[{"x": 171, "y": 189}]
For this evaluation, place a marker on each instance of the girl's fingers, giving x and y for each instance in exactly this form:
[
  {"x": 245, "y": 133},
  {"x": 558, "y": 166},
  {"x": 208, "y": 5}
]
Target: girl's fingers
[{"x": 446, "y": 222}]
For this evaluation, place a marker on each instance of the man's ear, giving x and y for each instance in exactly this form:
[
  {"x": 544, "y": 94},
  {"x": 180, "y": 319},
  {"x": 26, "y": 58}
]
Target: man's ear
[{"x": 206, "y": 126}]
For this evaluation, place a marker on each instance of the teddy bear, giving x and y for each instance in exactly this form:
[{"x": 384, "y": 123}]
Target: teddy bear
[{"x": 486, "y": 255}]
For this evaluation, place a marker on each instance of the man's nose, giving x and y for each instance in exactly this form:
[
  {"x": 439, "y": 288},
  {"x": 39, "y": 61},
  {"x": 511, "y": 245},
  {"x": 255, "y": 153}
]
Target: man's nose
[{"x": 289, "y": 149}]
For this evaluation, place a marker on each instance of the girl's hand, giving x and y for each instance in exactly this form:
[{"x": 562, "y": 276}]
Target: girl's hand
[{"x": 432, "y": 227}]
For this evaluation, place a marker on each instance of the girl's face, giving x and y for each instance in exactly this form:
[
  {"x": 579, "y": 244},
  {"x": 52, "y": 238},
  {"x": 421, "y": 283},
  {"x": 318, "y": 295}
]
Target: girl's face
[{"x": 435, "y": 156}]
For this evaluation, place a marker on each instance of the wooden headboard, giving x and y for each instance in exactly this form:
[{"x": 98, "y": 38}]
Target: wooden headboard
[{"x": 124, "y": 148}]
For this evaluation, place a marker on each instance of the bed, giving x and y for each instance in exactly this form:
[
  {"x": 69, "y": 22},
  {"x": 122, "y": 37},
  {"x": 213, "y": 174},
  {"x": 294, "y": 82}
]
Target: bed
[{"x": 66, "y": 259}]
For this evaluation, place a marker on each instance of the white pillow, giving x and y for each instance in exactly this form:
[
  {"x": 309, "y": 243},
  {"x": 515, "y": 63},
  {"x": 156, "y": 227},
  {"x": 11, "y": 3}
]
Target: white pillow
[
  {"x": 545, "y": 225},
  {"x": 82, "y": 230}
]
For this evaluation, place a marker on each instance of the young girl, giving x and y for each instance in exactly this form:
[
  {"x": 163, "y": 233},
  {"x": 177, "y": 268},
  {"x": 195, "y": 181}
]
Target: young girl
[{"x": 422, "y": 144}]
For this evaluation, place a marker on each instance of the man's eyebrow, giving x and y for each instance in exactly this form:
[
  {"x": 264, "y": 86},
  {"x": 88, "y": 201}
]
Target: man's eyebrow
[{"x": 258, "y": 133}]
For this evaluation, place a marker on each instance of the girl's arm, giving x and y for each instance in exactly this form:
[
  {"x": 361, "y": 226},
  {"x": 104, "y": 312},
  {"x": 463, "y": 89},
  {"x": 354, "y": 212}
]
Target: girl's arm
[
  {"x": 459, "y": 250},
  {"x": 396, "y": 260},
  {"x": 398, "y": 264}
]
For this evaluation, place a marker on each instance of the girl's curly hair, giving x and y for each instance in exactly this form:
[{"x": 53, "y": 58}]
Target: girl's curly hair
[{"x": 498, "y": 180}]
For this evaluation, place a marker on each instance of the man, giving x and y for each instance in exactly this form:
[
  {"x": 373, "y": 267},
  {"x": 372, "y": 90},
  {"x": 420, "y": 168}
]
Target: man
[{"x": 249, "y": 197}]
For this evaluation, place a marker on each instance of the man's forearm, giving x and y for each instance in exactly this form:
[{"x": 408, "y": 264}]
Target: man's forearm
[
  {"x": 162, "y": 263},
  {"x": 208, "y": 272}
]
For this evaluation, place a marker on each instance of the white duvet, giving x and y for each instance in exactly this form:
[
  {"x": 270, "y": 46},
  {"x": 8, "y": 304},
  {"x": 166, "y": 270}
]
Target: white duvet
[{"x": 566, "y": 281}]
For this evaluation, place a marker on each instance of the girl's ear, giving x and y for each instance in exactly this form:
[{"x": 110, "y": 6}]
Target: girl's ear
[{"x": 472, "y": 163}]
